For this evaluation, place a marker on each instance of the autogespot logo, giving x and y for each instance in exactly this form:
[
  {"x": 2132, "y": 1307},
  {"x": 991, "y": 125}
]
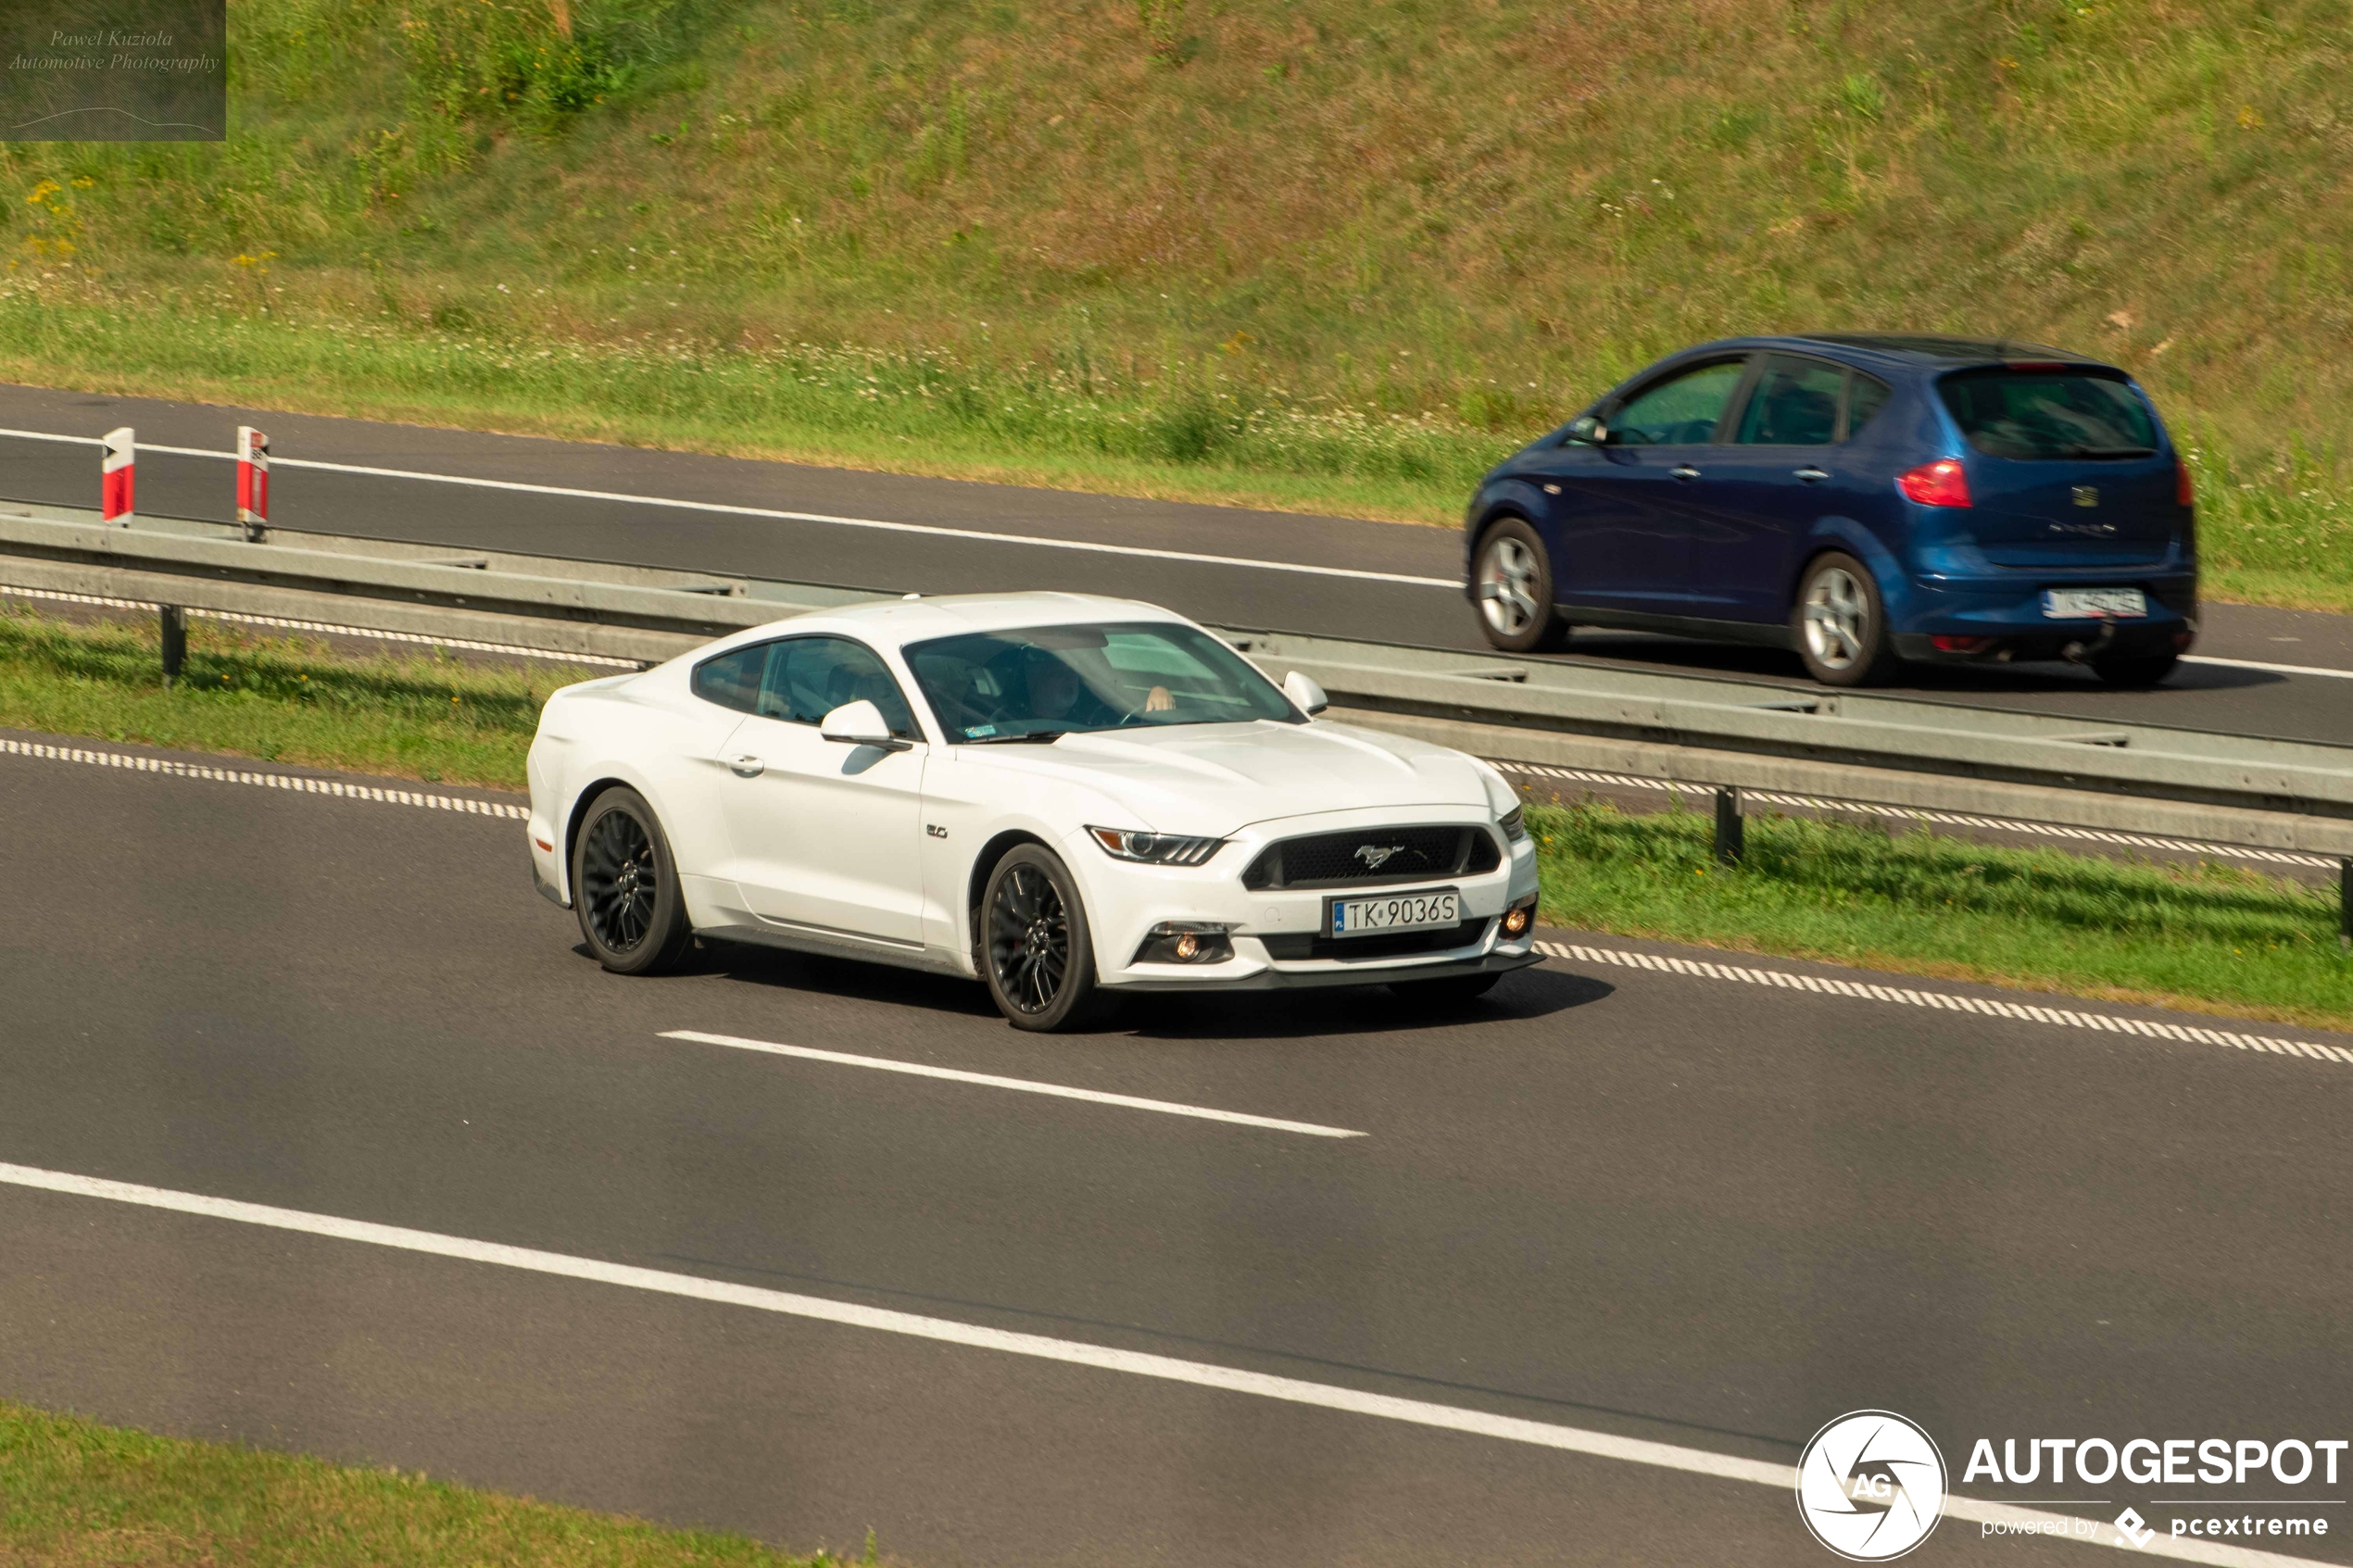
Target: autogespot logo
[{"x": 1870, "y": 1485}]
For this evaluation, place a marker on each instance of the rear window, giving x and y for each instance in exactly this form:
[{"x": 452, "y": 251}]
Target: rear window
[{"x": 2048, "y": 414}]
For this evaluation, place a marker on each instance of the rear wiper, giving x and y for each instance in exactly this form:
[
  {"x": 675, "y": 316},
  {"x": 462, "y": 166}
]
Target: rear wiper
[
  {"x": 1035, "y": 737},
  {"x": 2111, "y": 451}
]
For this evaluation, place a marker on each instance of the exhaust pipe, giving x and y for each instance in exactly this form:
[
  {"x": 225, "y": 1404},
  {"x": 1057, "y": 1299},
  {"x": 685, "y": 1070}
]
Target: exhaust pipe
[{"x": 2084, "y": 653}]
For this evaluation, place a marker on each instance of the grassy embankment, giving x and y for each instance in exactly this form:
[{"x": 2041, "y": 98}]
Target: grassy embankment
[
  {"x": 2206, "y": 936},
  {"x": 1326, "y": 254},
  {"x": 74, "y": 1494}
]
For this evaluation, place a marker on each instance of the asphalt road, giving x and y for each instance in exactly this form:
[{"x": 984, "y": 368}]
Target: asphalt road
[
  {"x": 1238, "y": 587},
  {"x": 1645, "y": 1205}
]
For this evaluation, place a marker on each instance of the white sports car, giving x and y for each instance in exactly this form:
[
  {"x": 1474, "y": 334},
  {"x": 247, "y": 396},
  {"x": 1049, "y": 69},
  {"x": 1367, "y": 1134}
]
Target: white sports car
[{"x": 1070, "y": 799}]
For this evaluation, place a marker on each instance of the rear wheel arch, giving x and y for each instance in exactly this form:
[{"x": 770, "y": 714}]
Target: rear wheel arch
[{"x": 578, "y": 819}]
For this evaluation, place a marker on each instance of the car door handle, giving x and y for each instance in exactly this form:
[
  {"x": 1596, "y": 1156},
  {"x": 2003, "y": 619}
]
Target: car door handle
[
  {"x": 746, "y": 767},
  {"x": 1811, "y": 475},
  {"x": 1686, "y": 473}
]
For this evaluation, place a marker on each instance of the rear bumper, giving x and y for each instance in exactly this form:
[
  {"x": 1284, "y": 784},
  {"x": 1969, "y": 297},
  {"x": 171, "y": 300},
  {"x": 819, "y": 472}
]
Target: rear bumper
[{"x": 2001, "y": 617}]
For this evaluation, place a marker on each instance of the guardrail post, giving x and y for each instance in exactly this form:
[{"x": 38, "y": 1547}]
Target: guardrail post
[
  {"x": 2345, "y": 904},
  {"x": 253, "y": 481},
  {"x": 116, "y": 474},
  {"x": 175, "y": 642},
  {"x": 1730, "y": 831}
]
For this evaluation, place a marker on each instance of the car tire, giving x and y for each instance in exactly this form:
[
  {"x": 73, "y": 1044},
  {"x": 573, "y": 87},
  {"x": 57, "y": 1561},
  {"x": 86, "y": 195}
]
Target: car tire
[
  {"x": 624, "y": 886},
  {"x": 2137, "y": 673},
  {"x": 1450, "y": 991},
  {"x": 1513, "y": 577},
  {"x": 1839, "y": 623},
  {"x": 1036, "y": 951}
]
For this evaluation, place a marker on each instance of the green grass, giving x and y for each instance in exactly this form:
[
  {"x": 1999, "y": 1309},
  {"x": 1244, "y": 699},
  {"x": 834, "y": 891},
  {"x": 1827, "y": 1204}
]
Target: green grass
[
  {"x": 75, "y": 1494},
  {"x": 2206, "y": 936},
  {"x": 281, "y": 700},
  {"x": 1317, "y": 254}
]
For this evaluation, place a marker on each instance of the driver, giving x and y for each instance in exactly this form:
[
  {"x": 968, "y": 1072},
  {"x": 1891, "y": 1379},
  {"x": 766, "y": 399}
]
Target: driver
[{"x": 1055, "y": 689}]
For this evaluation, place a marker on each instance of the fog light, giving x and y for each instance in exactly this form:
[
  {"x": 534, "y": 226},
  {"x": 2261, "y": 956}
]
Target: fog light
[
  {"x": 1515, "y": 922},
  {"x": 2181, "y": 641},
  {"x": 1186, "y": 942}
]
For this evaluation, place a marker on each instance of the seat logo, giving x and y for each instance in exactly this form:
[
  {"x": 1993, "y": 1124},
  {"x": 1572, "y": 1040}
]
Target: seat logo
[
  {"x": 2086, "y": 495},
  {"x": 1376, "y": 856},
  {"x": 1870, "y": 1485}
]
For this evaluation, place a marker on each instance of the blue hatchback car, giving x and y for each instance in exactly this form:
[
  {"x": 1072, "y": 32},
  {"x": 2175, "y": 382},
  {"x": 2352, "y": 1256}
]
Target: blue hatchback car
[{"x": 1863, "y": 500}]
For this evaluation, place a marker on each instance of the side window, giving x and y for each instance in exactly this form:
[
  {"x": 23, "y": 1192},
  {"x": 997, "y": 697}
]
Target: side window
[
  {"x": 1795, "y": 403},
  {"x": 1865, "y": 396},
  {"x": 1683, "y": 410},
  {"x": 732, "y": 679},
  {"x": 808, "y": 677}
]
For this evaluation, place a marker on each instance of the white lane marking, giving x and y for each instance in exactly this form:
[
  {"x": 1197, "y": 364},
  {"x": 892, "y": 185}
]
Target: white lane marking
[
  {"x": 1026, "y": 1086},
  {"x": 934, "y": 529},
  {"x": 1135, "y": 1363},
  {"x": 1915, "y": 814},
  {"x": 327, "y": 628},
  {"x": 2028, "y": 1012},
  {"x": 299, "y": 784},
  {"x": 2275, "y": 668}
]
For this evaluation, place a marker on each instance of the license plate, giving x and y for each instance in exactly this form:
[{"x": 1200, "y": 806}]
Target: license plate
[
  {"x": 2093, "y": 604},
  {"x": 1394, "y": 911}
]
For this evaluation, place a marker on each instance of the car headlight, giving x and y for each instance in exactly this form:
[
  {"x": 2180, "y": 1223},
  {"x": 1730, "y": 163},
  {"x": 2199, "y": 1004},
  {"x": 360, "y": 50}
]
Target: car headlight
[
  {"x": 1153, "y": 848},
  {"x": 1515, "y": 823}
]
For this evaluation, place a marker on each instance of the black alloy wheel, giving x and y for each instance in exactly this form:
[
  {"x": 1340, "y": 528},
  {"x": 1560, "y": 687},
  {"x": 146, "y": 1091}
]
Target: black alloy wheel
[
  {"x": 624, "y": 887},
  {"x": 1035, "y": 953}
]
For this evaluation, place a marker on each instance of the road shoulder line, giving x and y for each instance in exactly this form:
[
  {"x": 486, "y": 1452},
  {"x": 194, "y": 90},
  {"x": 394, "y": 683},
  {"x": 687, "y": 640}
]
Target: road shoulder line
[
  {"x": 299, "y": 783},
  {"x": 2029, "y": 1012}
]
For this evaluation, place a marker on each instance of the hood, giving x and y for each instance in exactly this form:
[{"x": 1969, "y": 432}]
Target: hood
[{"x": 1216, "y": 779}]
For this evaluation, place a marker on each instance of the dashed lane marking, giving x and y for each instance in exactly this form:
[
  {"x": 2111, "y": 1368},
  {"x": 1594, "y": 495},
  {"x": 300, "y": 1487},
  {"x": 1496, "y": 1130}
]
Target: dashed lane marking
[
  {"x": 1945, "y": 1001},
  {"x": 336, "y": 789},
  {"x": 1026, "y": 1085},
  {"x": 1917, "y": 814},
  {"x": 328, "y": 628},
  {"x": 1069, "y": 1352}
]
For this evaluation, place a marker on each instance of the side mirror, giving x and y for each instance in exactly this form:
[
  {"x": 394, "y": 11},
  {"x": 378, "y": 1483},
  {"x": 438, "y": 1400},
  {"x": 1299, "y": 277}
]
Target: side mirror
[
  {"x": 860, "y": 724},
  {"x": 1587, "y": 429},
  {"x": 1304, "y": 694}
]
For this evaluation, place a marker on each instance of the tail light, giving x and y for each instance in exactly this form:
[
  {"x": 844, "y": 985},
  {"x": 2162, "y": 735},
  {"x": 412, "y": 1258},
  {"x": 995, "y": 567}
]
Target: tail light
[
  {"x": 2184, "y": 493},
  {"x": 1944, "y": 644},
  {"x": 1940, "y": 483}
]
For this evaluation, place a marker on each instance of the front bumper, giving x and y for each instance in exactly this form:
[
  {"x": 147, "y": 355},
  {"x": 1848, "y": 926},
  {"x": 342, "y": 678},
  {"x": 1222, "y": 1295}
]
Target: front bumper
[
  {"x": 1275, "y": 935},
  {"x": 1499, "y": 959}
]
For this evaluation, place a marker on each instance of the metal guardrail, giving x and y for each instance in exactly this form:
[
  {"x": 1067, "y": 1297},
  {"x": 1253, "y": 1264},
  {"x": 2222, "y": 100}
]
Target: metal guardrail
[{"x": 1893, "y": 750}]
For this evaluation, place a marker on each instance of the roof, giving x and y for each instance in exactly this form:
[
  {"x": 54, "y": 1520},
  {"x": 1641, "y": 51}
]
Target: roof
[
  {"x": 915, "y": 619},
  {"x": 1929, "y": 347}
]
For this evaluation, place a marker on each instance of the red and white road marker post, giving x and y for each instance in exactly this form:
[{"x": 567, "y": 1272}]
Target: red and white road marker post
[
  {"x": 115, "y": 476},
  {"x": 253, "y": 481}
]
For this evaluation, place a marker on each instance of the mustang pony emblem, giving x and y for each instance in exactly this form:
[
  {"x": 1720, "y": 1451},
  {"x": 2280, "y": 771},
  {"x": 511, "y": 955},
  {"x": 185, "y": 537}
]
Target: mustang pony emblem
[{"x": 1376, "y": 856}]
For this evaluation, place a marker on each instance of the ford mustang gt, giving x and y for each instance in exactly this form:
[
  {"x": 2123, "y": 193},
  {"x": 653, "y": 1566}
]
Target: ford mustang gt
[{"x": 1069, "y": 798}]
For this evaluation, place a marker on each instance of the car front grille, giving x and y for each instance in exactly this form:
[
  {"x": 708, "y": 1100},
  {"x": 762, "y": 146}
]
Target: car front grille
[
  {"x": 1292, "y": 946},
  {"x": 1366, "y": 855}
]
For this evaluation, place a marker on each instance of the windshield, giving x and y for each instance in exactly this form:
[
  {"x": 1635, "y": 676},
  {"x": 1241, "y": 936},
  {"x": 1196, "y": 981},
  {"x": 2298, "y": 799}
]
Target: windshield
[
  {"x": 1052, "y": 679},
  {"x": 2045, "y": 414}
]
